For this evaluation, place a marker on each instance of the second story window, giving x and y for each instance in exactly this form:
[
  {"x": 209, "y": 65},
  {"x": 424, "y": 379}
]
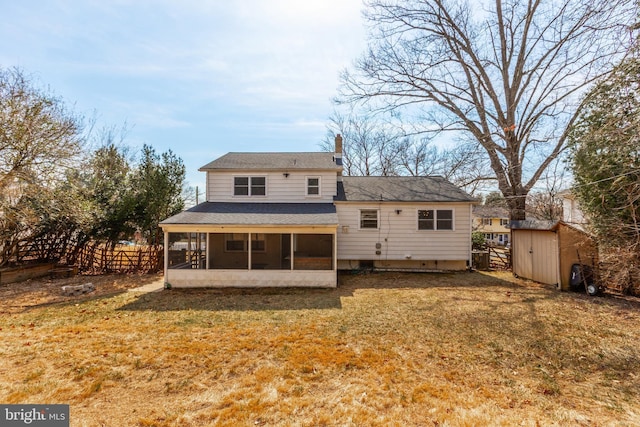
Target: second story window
[
  {"x": 249, "y": 186},
  {"x": 487, "y": 221},
  {"x": 313, "y": 186},
  {"x": 504, "y": 222},
  {"x": 258, "y": 186}
]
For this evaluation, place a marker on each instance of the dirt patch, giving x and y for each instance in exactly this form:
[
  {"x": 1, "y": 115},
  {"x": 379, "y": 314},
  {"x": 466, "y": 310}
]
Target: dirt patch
[{"x": 18, "y": 297}]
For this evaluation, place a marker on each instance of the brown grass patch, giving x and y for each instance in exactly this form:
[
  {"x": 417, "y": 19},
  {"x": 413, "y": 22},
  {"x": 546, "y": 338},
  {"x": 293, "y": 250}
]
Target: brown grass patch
[{"x": 381, "y": 349}]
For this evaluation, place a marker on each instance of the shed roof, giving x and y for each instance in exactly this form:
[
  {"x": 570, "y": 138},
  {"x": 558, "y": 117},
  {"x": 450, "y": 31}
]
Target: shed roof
[
  {"x": 399, "y": 189},
  {"x": 534, "y": 224},
  {"x": 257, "y": 214},
  {"x": 543, "y": 225},
  {"x": 275, "y": 161}
]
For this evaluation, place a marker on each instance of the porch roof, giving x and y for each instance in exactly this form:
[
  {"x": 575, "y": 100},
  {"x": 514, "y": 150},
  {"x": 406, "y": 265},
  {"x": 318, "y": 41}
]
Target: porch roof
[{"x": 221, "y": 213}]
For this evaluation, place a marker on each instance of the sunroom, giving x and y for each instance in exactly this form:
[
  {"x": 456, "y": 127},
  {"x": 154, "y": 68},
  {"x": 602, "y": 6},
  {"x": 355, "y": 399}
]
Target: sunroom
[{"x": 251, "y": 245}]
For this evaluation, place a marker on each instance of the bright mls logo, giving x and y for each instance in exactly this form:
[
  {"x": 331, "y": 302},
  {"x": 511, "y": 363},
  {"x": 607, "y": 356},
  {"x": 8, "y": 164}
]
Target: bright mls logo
[{"x": 34, "y": 415}]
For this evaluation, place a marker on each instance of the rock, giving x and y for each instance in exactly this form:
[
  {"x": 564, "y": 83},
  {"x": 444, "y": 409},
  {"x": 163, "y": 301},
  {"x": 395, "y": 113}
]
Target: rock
[{"x": 74, "y": 290}]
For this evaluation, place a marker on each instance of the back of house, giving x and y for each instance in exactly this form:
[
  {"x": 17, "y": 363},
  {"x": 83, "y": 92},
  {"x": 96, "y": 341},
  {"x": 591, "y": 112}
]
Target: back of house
[{"x": 292, "y": 219}]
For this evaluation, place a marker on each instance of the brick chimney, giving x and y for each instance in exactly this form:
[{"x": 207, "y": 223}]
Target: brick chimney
[
  {"x": 338, "y": 155},
  {"x": 338, "y": 145}
]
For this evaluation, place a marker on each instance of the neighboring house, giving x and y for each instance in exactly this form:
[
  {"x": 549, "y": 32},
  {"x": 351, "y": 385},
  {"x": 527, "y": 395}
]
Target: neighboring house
[
  {"x": 291, "y": 219},
  {"x": 571, "y": 211},
  {"x": 493, "y": 221}
]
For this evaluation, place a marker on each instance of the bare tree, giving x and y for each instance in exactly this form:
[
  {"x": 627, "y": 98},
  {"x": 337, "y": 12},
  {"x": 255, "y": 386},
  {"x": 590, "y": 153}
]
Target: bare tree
[
  {"x": 39, "y": 141},
  {"x": 38, "y": 136},
  {"x": 387, "y": 149},
  {"x": 510, "y": 75},
  {"x": 369, "y": 148}
]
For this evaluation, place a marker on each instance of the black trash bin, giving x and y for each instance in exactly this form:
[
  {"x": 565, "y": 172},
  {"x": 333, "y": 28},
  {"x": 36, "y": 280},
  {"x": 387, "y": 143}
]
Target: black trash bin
[{"x": 577, "y": 282}]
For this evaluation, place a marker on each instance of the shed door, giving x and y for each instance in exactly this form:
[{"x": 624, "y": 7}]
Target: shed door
[
  {"x": 545, "y": 257},
  {"x": 537, "y": 256},
  {"x": 522, "y": 264}
]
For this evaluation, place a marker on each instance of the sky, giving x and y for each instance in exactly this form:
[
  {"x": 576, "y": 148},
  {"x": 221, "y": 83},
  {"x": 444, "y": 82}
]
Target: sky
[{"x": 199, "y": 77}]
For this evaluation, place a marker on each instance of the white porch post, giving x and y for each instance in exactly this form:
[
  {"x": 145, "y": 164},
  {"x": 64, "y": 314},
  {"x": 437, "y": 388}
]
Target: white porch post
[
  {"x": 293, "y": 251},
  {"x": 166, "y": 256},
  {"x": 206, "y": 250},
  {"x": 249, "y": 246}
]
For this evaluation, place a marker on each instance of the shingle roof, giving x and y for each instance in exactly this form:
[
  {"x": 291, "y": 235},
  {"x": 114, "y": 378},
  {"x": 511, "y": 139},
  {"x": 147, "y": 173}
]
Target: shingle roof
[
  {"x": 274, "y": 161},
  {"x": 257, "y": 214},
  {"x": 533, "y": 224},
  {"x": 482, "y": 211},
  {"x": 400, "y": 189}
]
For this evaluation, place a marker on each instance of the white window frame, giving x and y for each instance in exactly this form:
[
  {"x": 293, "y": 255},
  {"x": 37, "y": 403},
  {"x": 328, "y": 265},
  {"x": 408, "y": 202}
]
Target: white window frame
[
  {"x": 307, "y": 186},
  {"x": 487, "y": 221},
  {"x": 504, "y": 222},
  {"x": 377, "y": 211},
  {"x": 250, "y": 179},
  {"x": 435, "y": 220}
]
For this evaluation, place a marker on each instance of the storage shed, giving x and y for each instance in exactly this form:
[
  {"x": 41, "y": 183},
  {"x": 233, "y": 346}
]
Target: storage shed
[{"x": 544, "y": 251}]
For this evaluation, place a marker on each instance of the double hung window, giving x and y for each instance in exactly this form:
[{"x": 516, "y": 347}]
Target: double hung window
[
  {"x": 313, "y": 186},
  {"x": 249, "y": 186},
  {"x": 435, "y": 219},
  {"x": 368, "y": 219}
]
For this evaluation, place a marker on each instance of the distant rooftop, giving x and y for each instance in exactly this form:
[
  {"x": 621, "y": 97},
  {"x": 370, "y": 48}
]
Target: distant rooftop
[
  {"x": 274, "y": 161},
  {"x": 482, "y": 211}
]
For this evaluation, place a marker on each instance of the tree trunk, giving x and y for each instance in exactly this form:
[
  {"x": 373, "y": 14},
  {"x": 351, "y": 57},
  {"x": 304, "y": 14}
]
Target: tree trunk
[{"x": 517, "y": 204}]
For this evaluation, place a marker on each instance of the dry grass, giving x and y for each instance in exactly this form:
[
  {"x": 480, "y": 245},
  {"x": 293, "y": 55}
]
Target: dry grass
[{"x": 383, "y": 349}]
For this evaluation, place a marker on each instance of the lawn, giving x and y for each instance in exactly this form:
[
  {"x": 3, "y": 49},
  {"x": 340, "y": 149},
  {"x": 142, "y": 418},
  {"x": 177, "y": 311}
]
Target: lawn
[{"x": 386, "y": 349}]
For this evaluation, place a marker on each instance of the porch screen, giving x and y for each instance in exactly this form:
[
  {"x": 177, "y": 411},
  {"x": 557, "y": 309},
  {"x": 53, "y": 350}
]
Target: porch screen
[
  {"x": 187, "y": 250},
  {"x": 270, "y": 251},
  {"x": 229, "y": 250},
  {"x": 313, "y": 252}
]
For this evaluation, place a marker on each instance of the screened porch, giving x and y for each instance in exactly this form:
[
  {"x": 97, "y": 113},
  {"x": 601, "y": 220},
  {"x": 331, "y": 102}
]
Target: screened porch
[{"x": 250, "y": 251}]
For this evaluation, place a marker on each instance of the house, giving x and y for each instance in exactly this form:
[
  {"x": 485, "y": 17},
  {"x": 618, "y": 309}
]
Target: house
[
  {"x": 493, "y": 222},
  {"x": 571, "y": 210},
  {"x": 292, "y": 219}
]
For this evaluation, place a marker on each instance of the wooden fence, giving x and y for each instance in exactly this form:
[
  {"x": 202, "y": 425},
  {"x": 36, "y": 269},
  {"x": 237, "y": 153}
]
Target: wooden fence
[
  {"x": 499, "y": 258},
  {"x": 121, "y": 259}
]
